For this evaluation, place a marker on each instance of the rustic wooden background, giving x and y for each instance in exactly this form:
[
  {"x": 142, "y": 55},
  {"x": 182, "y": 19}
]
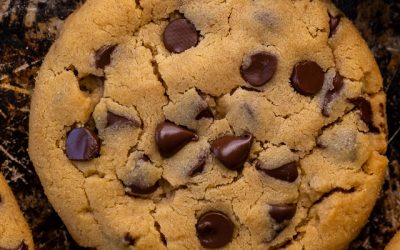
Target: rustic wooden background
[{"x": 28, "y": 28}]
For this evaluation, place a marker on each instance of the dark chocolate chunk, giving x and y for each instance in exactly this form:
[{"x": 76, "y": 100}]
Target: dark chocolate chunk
[
  {"x": 130, "y": 241},
  {"x": 330, "y": 95},
  {"x": 287, "y": 172},
  {"x": 21, "y": 246},
  {"x": 82, "y": 145},
  {"x": 366, "y": 112},
  {"x": 307, "y": 78},
  {"x": 180, "y": 35},
  {"x": 198, "y": 168},
  {"x": 114, "y": 120},
  {"x": 282, "y": 212},
  {"x": 259, "y": 68},
  {"x": 103, "y": 56},
  {"x": 205, "y": 113},
  {"x": 138, "y": 189},
  {"x": 214, "y": 229},
  {"x": 171, "y": 138},
  {"x": 333, "y": 24},
  {"x": 232, "y": 151}
]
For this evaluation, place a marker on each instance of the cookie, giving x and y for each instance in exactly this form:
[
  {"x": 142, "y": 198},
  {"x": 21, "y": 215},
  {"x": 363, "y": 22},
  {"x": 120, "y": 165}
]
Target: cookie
[
  {"x": 394, "y": 243},
  {"x": 210, "y": 124},
  {"x": 14, "y": 231}
]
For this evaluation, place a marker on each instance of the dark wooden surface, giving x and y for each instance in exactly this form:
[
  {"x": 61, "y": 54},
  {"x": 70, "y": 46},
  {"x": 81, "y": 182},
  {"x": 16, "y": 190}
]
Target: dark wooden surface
[{"x": 27, "y": 29}]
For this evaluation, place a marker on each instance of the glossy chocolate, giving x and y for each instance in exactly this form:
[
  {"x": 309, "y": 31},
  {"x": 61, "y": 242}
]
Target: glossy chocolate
[
  {"x": 232, "y": 151},
  {"x": 171, "y": 138}
]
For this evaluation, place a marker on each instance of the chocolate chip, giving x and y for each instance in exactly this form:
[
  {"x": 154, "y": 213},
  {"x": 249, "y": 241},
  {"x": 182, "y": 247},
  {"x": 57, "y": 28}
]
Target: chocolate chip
[
  {"x": 21, "y": 246},
  {"x": 307, "y": 78},
  {"x": 129, "y": 239},
  {"x": 205, "y": 113},
  {"x": 137, "y": 189},
  {"x": 232, "y": 151},
  {"x": 282, "y": 212},
  {"x": 333, "y": 24},
  {"x": 114, "y": 120},
  {"x": 171, "y": 138},
  {"x": 103, "y": 56},
  {"x": 366, "y": 112},
  {"x": 214, "y": 229},
  {"x": 198, "y": 168},
  {"x": 337, "y": 86},
  {"x": 180, "y": 35},
  {"x": 287, "y": 172},
  {"x": 82, "y": 145},
  {"x": 145, "y": 158},
  {"x": 259, "y": 68}
]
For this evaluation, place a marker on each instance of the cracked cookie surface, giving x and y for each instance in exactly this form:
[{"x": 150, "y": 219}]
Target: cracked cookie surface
[
  {"x": 14, "y": 231},
  {"x": 210, "y": 124}
]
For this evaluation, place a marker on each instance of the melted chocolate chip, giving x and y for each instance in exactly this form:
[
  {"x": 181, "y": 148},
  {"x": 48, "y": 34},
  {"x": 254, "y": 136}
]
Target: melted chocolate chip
[
  {"x": 366, "y": 112},
  {"x": 198, "y": 168},
  {"x": 232, "y": 151},
  {"x": 214, "y": 229},
  {"x": 205, "y": 113},
  {"x": 337, "y": 86},
  {"x": 82, "y": 145},
  {"x": 307, "y": 78},
  {"x": 103, "y": 56},
  {"x": 333, "y": 24},
  {"x": 180, "y": 35},
  {"x": 287, "y": 172},
  {"x": 171, "y": 138},
  {"x": 21, "y": 246},
  {"x": 129, "y": 239},
  {"x": 282, "y": 212},
  {"x": 114, "y": 120},
  {"x": 137, "y": 189},
  {"x": 259, "y": 68}
]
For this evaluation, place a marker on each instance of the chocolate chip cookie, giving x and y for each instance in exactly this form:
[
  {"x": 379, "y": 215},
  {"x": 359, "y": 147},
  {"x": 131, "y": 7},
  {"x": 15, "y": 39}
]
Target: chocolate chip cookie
[
  {"x": 210, "y": 124},
  {"x": 14, "y": 231},
  {"x": 394, "y": 243}
]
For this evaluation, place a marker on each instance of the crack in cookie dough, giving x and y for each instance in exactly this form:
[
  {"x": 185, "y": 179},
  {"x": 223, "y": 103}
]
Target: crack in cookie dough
[
  {"x": 210, "y": 112},
  {"x": 14, "y": 230}
]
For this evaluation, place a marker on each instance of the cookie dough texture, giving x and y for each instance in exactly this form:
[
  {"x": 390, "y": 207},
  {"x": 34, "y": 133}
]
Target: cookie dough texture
[
  {"x": 14, "y": 231},
  {"x": 341, "y": 163},
  {"x": 394, "y": 243}
]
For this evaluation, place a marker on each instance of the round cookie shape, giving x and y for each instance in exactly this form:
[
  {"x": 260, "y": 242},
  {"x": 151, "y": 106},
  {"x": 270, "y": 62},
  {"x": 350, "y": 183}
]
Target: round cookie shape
[
  {"x": 209, "y": 124},
  {"x": 14, "y": 230}
]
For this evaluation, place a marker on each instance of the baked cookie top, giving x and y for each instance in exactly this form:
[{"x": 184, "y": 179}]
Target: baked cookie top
[
  {"x": 394, "y": 243},
  {"x": 210, "y": 124},
  {"x": 14, "y": 231}
]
